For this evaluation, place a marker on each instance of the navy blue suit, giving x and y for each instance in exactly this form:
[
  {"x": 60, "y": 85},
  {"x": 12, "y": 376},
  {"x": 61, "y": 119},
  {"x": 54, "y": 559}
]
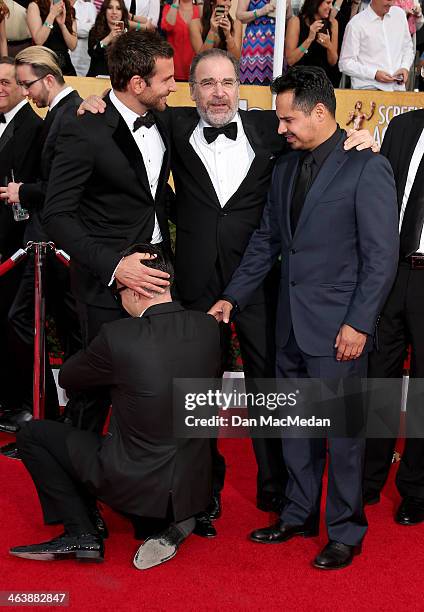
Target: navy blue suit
[{"x": 337, "y": 269}]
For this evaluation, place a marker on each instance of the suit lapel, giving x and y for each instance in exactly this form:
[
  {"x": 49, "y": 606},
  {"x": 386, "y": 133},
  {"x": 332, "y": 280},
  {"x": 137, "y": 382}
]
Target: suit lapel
[
  {"x": 408, "y": 147},
  {"x": 128, "y": 146},
  {"x": 164, "y": 171},
  {"x": 7, "y": 134},
  {"x": 330, "y": 168},
  {"x": 287, "y": 190}
]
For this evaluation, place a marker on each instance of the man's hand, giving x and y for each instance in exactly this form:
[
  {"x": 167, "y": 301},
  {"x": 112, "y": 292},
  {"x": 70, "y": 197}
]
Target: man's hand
[
  {"x": 92, "y": 104},
  {"x": 133, "y": 274},
  {"x": 221, "y": 311},
  {"x": 383, "y": 77},
  {"x": 10, "y": 193},
  {"x": 349, "y": 343},
  {"x": 403, "y": 73},
  {"x": 360, "y": 139}
]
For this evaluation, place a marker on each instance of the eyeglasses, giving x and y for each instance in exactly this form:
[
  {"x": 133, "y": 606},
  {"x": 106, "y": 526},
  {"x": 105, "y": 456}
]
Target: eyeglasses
[
  {"x": 116, "y": 292},
  {"x": 28, "y": 84},
  {"x": 209, "y": 84}
]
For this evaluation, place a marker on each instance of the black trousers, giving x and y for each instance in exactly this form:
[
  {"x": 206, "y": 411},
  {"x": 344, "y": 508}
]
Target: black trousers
[
  {"x": 306, "y": 458},
  {"x": 90, "y": 409},
  {"x": 255, "y": 328},
  {"x": 401, "y": 324},
  {"x": 63, "y": 499},
  {"x": 60, "y": 304}
]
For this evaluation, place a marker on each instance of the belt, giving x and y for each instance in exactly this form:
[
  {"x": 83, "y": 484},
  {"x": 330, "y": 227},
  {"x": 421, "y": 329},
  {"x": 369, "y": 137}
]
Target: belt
[{"x": 416, "y": 262}]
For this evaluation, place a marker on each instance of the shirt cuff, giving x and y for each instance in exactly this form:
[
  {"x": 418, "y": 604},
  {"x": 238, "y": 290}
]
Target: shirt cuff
[{"x": 113, "y": 275}]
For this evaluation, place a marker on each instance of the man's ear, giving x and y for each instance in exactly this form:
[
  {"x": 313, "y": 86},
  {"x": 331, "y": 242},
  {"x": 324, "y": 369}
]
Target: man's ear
[
  {"x": 320, "y": 111},
  {"x": 192, "y": 86},
  {"x": 136, "y": 85}
]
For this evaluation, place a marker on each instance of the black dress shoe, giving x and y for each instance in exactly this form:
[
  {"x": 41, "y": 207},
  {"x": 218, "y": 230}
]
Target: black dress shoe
[
  {"x": 270, "y": 502},
  {"x": 85, "y": 547},
  {"x": 204, "y": 527},
  {"x": 215, "y": 507},
  {"x": 13, "y": 422},
  {"x": 159, "y": 548},
  {"x": 370, "y": 498},
  {"x": 410, "y": 511},
  {"x": 281, "y": 532},
  {"x": 10, "y": 451},
  {"x": 98, "y": 522},
  {"x": 335, "y": 555}
]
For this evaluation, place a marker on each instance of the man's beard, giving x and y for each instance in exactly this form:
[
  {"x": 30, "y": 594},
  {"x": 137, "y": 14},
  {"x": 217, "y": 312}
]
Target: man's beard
[{"x": 217, "y": 120}]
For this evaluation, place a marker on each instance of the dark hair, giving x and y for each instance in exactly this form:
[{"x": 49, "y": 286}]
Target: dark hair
[
  {"x": 160, "y": 262},
  {"x": 100, "y": 28},
  {"x": 309, "y": 10},
  {"x": 44, "y": 8},
  {"x": 208, "y": 8},
  {"x": 5, "y": 59},
  {"x": 212, "y": 53},
  {"x": 135, "y": 53},
  {"x": 310, "y": 86}
]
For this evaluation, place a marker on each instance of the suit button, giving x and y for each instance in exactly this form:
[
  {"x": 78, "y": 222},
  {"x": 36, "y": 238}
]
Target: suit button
[
  {"x": 223, "y": 214},
  {"x": 293, "y": 283},
  {"x": 292, "y": 251}
]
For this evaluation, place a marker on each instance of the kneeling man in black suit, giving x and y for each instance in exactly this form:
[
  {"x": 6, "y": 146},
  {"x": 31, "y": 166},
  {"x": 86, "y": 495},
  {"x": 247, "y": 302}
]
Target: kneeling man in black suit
[
  {"x": 331, "y": 215},
  {"x": 138, "y": 467}
]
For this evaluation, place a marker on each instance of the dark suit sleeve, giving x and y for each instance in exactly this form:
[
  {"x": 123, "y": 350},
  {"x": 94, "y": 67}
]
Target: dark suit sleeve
[
  {"x": 72, "y": 167},
  {"x": 261, "y": 252},
  {"x": 89, "y": 368},
  {"x": 378, "y": 237},
  {"x": 31, "y": 195}
]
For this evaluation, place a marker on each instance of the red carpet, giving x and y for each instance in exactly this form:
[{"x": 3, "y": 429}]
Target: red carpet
[{"x": 227, "y": 573}]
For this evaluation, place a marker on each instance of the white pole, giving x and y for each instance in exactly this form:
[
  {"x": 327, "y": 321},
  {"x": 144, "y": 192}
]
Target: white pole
[{"x": 280, "y": 28}]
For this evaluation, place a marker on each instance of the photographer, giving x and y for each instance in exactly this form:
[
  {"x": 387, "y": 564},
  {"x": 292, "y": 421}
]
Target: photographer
[
  {"x": 111, "y": 21},
  {"x": 216, "y": 28}
]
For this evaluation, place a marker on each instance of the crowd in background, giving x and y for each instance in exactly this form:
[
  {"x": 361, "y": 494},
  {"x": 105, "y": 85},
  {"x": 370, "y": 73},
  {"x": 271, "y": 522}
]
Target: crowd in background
[{"x": 318, "y": 33}]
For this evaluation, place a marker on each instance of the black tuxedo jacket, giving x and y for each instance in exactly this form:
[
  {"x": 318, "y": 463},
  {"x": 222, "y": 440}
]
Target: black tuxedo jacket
[
  {"x": 139, "y": 463},
  {"x": 399, "y": 144},
  {"x": 99, "y": 200},
  {"x": 32, "y": 195},
  {"x": 20, "y": 151},
  {"x": 206, "y": 232}
]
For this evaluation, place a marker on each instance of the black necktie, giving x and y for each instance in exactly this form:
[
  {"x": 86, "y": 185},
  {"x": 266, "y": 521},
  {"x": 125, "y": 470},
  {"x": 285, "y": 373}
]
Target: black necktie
[
  {"x": 413, "y": 220},
  {"x": 303, "y": 183},
  {"x": 146, "y": 120},
  {"x": 2, "y": 118},
  {"x": 212, "y": 133}
]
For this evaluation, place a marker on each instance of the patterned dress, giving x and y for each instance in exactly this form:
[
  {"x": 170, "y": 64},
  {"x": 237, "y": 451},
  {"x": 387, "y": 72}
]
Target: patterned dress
[{"x": 258, "y": 48}]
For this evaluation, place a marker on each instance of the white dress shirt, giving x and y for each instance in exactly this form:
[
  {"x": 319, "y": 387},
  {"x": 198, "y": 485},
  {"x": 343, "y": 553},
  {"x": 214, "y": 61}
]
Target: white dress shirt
[
  {"x": 151, "y": 147},
  {"x": 371, "y": 43},
  {"x": 412, "y": 172},
  {"x": 62, "y": 94},
  {"x": 226, "y": 161},
  {"x": 9, "y": 116},
  {"x": 147, "y": 8},
  {"x": 85, "y": 13}
]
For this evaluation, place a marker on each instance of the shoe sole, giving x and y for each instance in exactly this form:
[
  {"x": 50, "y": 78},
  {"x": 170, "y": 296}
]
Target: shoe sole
[
  {"x": 84, "y": 556},
  {"x": 409, "y": 523},
  {"x": 323, "y": 567},
  {"x": 305, "y": 534}
]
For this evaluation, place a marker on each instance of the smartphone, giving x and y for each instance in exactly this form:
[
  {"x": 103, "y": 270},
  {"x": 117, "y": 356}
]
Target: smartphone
[
  {"x": 56, "y": 1},
  {"x": 220, "y": 11},
  {"x": 120, "y": 25},
  {"x": 398, "y": 78},
  {"x": 326, "y": 27}
]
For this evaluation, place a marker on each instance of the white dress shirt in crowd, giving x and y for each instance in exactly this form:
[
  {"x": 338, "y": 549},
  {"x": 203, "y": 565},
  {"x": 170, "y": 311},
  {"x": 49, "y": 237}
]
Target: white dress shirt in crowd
[
  {"x": 151, "y": 147},
  {"x": 62, "y": 94},
  {"x": 147, "y": 8},
  {"x": 226, "y": 161},
  {"x": 9, "y": 116},
  {"x": 412, "y": 172},
  {"x": 85, "y": 13},
  {"x": 371, "y": 43}
]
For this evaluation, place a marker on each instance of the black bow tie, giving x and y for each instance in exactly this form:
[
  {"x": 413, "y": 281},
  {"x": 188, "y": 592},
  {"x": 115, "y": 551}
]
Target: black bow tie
[
  {"x": 146, "y": 120},
  {"x": 212, "y": 133},
  {"x": 2, "y": 118}
]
